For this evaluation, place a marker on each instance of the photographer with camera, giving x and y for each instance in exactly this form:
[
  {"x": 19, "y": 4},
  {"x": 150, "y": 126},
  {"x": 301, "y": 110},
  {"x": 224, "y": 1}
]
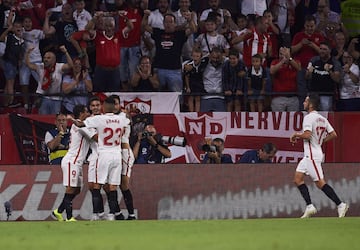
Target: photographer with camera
[
  {"x": 149, "y": 147},
  {"x": 214, "y": 152}
]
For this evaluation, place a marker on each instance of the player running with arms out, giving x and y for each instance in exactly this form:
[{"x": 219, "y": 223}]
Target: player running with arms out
[
  {"x": 72, "y": 162},
  {"x": 316, "y": 130},
  {"x": 110, "y": 128}
]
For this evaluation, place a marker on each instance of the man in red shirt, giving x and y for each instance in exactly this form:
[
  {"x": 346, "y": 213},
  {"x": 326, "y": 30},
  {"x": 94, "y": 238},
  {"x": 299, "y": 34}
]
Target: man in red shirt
[
  {"x": 284, "y": 71},
  {"x": 107, "y": 45},
  {"x": 130, "y": 40},
  {"x": 305, "y": 45}
]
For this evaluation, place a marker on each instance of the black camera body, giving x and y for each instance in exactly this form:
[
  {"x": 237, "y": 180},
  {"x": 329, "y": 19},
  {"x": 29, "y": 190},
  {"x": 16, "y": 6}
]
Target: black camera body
[
  {"x": 146, "y": 134},
  {"x": 209, "y": 148}
]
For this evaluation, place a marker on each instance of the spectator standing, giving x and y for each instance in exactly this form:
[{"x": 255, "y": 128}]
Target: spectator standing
[
  {"x": 283, "y": 72},
  {"x": 145, "y": 79},
  {"x": 214, "y": 152},
  {"x": 304, "y": 46},
  {"x": 13, "y": 56},
  {"x": 130, "y": 40},
  {"x": 233, "y": 79},
  {"x": 107, "y": 43},
  {"x": 149, "y": 147},
  {"x": 57, "y": 140},
  {"x": 263, "y": 155},
  {"x": 169, "y": 43},
  {"x": 340, "y": 41},
  {"x": 213, "y": 100},
  {"x": 81, "y": 15},
  {"x": 349, "y": 89},
  {"x": 225, "y": 15},
  {"x": 257, "y": 41},
  {"x": 284, "y": 17},
  {"x": 256, "y": 84},
  {"x": 211, "y": 38},
  {"x": 62, "y": 30},
  {"x": 256, "y": 7},
  {"x": 193, "y": 71},
  {"x": 76, "y": 86},
  {"x": 32, "y": 38},
  {"x": 182, "y": 15},
  {"x": 324, "y": 74},
  {"x": 273, "y": 31},
  {"x": 324, "y": 15},
  {"x": 35, "y": 10},
  {"x": 50, "y": 74}
]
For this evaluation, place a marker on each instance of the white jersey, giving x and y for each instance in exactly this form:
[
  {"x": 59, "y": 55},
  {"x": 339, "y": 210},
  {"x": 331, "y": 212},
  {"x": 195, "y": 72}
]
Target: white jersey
[
  {"x": 319, "y": 127},
  {"x": 32, "y": 39},
  {"x": 110, "y": 128},
  {"x": 126, "y": 136},
  {"x": 79, "y": 144}
]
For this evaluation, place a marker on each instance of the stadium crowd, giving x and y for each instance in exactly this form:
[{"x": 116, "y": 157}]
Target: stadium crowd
[{"x": 222, "y": 55}]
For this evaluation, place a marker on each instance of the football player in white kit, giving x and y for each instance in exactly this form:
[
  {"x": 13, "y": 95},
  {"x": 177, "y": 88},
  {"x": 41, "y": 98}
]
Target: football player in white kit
[
  {"x": 72, "y": 162},
  {"x": 110, "y": 128},
  {"x": 127, "y": 163},
  {"x": 316, "y": 131},
  {"x": 98, "y": 206}
]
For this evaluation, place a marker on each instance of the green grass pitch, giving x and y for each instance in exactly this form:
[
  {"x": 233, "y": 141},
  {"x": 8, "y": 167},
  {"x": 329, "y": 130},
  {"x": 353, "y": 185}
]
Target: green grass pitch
[{"x": 265, "y": 234}]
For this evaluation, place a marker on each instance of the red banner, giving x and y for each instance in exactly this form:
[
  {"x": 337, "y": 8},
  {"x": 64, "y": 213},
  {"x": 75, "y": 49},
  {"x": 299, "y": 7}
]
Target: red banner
[{"x": 241, "y": 131}]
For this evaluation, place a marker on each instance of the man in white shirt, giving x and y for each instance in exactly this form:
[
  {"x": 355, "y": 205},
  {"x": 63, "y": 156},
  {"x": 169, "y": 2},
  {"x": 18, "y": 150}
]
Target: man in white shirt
[{"x": 316, "y": 130}]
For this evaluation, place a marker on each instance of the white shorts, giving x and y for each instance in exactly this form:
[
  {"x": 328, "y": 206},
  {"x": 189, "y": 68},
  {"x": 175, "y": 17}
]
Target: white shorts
[
  {"x": 92, "y": 169},
  {"x": 126, "y": 171},
  {"x": 311, "y": 167},
  {"x": 109, "y": 168},
  {"x": 72, "y": 173}
]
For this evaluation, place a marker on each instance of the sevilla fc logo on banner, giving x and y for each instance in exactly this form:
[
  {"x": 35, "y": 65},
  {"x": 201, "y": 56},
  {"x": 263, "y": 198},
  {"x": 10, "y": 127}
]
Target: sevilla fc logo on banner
[{"x": 138, "y": 105}]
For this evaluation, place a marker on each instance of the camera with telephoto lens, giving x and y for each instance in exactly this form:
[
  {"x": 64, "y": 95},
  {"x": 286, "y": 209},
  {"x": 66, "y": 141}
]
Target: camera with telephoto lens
[
  {"x": 174, "y": 140},
  {"x": 209, "y": 148},
  {"x": 146, "y": 134}
]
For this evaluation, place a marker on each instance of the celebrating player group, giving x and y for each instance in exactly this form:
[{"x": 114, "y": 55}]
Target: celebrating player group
[{"x": 110, "y": 161}]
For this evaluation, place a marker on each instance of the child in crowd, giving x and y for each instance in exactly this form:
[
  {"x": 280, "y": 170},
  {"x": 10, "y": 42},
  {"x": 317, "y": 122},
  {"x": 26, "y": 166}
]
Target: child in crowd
[
  {"x": 211, "y": 38},
  {"x": 233, "y": 75},
  {"x": 32, "y": 39},
  {"x": 193, "y": 76},
  {"x": 256, "y": 84},
  {"x": 13, "y": 56},
  {"x": 81, "y": 15}
]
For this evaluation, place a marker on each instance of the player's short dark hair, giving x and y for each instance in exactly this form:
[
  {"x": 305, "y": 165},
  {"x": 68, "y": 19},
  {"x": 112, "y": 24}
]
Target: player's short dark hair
[
  {"x": 78, "y": 109},
  {"x": 94, "y": 98},
  {"x": 110, "y": 100},
  {"x": 314, "y": 99},
  {"x": 115, "y": 97}
]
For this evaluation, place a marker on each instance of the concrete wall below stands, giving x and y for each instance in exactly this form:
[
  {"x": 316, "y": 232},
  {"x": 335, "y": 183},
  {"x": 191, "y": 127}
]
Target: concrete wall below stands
[{"x": 185, "y": 191}]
